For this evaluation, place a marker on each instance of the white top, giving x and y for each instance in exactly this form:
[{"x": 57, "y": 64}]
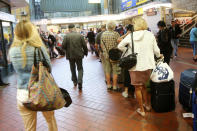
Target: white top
[{"x": 145, "y": 46}]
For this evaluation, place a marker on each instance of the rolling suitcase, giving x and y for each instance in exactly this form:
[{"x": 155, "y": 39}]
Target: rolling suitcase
[
  {"x": 185, "y": 88},
  {"x": 194, "y": 111},
  {"x": 163, "y": 96}
]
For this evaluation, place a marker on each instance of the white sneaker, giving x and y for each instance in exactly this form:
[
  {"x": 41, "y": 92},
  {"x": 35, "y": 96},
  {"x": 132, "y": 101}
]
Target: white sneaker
[{"x": 124, "y": 94}]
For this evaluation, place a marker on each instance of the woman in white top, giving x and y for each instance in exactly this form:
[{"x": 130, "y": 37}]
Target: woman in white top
[{"x": 145, "y": 46}]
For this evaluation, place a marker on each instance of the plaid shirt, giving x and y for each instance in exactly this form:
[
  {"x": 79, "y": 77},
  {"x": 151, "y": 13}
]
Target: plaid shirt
[{"x": 109, "y": 38}]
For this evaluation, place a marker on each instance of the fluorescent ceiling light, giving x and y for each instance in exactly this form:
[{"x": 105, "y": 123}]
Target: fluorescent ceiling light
[{"x": 94, "y": 1}]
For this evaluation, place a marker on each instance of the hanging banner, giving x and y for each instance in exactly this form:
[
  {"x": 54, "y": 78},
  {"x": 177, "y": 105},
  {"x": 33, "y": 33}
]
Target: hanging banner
[{"x": 127, "y": 4}]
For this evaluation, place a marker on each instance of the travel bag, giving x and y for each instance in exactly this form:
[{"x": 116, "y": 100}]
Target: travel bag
[
  {"x": 163, "y": 96},
  {"x": 194, "y": 111},
  {"x": 185, "y": 88}
]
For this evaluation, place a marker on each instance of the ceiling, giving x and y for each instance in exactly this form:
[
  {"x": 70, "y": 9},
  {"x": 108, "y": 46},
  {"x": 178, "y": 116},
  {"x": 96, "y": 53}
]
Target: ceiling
[{"x": 19, "y": 3}]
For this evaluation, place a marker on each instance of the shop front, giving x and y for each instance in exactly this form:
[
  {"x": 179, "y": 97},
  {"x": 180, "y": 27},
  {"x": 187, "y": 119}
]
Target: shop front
[{"x": 6, "y": 37}]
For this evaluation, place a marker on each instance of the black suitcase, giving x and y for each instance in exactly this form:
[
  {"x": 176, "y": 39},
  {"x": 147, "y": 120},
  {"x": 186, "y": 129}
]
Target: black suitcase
[
  {"x": 185, "y": 88},
  {"x": 60, "y": 50},
  {"x": 163, "y": 96}
]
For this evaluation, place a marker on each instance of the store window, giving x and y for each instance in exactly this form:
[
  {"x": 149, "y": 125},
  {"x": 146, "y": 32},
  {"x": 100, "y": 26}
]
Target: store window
[
  {"x": 1, "y": 51},
  {"x": 8, "y": 38},
  {"x": 4, "y": 7}
]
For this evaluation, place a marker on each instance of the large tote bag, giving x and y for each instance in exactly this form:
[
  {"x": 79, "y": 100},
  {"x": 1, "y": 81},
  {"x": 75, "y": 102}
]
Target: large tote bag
[{"x": 44, "y": 94}]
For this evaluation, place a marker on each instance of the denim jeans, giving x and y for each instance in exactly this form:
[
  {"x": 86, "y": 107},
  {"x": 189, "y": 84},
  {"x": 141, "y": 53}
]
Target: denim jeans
[
  {"x": 175, "y": 43},
  {"x": 194, "y": 45}
]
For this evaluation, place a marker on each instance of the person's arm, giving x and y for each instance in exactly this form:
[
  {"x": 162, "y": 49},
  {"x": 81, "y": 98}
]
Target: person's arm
[
  {"x": 122, "y": 37},
  {"x": 156, "y": 49},
  {"x": 64, "y": 44},
  {"x": 85, "y": 49},
  {"x": 122, "y": 45}
]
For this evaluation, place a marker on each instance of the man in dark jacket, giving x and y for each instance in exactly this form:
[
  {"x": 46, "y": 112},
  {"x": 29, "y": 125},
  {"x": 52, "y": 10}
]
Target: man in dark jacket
[
  {"x": 164, "y": 41},
  {"x": 75, "y": 47},
  {"x": 175, "y": 31}
]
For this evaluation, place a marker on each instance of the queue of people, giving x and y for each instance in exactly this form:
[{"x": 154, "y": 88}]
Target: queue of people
[{"x": 146, "y": 45}]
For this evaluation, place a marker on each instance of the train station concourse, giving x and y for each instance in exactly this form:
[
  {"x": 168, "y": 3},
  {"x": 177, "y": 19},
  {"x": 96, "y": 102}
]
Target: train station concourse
[{"x": 98, "y": 65}]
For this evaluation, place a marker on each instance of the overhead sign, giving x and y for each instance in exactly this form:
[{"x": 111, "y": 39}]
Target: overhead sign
[
  {"x": 126, "y": 4},
  {"x": 7, "y": 17},
  {"x": 94, "y": 1}
]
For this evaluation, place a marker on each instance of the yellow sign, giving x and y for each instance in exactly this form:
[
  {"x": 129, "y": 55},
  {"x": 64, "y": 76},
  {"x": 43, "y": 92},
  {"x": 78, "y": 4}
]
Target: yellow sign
[
  {"x": 129, "y": 3},
  {"x": 138, "y": 2},
  {"x": 140, "y": 11}
]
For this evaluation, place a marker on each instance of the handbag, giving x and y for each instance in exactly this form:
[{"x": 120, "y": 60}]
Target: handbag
[
  {"x": 129, "y": 61},
  {"x": 114, "y": 53},
  {"x": 66, "y": 97},
  {"x": 162, "y": 73},
  {"x": 44, "y": 94}
]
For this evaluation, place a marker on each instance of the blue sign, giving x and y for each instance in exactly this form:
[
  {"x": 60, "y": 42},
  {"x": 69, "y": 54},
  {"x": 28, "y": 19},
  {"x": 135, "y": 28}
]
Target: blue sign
[{"x": 126, "y": 4}]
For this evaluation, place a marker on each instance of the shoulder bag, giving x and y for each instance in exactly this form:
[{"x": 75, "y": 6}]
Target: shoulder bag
[
  {"x": 44, "y": 94},
  {"x": 129, "y": 61},
  {"x": 114, "y": 53}
]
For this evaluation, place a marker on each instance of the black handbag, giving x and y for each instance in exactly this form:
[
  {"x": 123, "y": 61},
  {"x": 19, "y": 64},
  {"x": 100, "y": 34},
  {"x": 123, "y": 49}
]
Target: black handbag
[
  {"x": 114, "y": 53},
  {"x": 129, "y": 61},
  {"x": 66, "y": 97}
]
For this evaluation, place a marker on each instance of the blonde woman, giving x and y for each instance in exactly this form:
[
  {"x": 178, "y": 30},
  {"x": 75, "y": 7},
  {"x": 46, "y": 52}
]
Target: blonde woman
[
  {"x": 146, "y": 47},
  {"x": 22, "y": 57}
]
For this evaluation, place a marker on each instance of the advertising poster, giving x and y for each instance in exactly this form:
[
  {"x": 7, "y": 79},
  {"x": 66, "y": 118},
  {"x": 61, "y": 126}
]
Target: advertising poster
[{"x": 127, "y": 4}]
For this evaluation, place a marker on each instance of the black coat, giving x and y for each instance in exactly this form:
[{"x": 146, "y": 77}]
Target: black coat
[{"x": 175, "y": 32}]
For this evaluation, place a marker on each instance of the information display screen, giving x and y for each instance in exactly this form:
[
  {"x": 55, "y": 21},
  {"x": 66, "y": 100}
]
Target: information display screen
[{"x": 126, "y": 4}]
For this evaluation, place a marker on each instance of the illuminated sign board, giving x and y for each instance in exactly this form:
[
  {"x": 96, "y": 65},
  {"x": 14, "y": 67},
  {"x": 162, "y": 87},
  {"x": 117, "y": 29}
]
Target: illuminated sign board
[
  {"x": 126, "y": 4},
  {"x": 94, "y": 1}
]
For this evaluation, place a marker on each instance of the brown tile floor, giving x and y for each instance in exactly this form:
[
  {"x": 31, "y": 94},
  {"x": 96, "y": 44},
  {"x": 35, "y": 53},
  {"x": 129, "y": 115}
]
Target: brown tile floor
[{"x": 95, "y": 109}]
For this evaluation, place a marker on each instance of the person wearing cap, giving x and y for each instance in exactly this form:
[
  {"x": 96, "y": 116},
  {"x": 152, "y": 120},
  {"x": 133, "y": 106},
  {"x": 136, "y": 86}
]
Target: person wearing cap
[{"x": 75, "y": 47}]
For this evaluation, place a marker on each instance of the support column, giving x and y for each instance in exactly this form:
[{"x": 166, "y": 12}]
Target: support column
[{"x": 106, "y": 11}]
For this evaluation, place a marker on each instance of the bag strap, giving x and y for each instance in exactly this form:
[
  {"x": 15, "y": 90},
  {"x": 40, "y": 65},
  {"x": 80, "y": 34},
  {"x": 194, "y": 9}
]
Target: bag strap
[
  {"x": 132, "y": 43},
  {"x": 105, "y": 46},
  {"x": 41, "y": 56}
]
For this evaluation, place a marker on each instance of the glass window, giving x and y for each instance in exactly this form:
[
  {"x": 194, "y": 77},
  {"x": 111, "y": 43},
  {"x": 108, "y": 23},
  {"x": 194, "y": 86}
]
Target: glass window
[
  {"x": 1, "y": 51},
  {"x": 8, "y": 38},
  {"x": 4, "y": 7}
]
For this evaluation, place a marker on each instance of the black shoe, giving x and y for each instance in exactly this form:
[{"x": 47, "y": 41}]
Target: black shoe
[
  {"x": 80, "y": 86},
  {"x": 75, "y": 84},
  {"x": 4, "y": 84},
  {"x": 195, "y": 60}
]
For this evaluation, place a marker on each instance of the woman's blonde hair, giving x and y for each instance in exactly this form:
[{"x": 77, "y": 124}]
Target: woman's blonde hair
[
  {"x": 111, "y": 25},
  {"x": 26, "y": 34},
  {"x": 139, "y": 23}
]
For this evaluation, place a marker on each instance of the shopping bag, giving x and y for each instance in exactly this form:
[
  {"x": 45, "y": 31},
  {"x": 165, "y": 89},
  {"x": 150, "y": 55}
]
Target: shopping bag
[{"x": 162, "y": 73}]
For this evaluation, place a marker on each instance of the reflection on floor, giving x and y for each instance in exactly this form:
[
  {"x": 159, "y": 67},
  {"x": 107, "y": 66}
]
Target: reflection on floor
[{"x": 95, "y": 109}]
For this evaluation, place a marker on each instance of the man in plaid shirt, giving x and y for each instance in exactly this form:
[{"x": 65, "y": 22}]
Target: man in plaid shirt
[{"x": 108, "y": 41}]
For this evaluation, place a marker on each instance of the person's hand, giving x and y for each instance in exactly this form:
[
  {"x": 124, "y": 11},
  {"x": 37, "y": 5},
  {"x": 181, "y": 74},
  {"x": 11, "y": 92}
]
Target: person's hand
[
  {"x": 161, "y": 56},
  {"x": 96, "y": 47},
  {"x": 128, "y": 32},
  {"x": 178, "y": 35}
]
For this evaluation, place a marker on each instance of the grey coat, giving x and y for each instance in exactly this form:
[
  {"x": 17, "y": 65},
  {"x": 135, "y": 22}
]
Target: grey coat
[{"x": 75, "y": 46}]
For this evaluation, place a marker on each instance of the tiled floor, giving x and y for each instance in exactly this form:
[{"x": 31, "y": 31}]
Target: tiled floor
[{"x": 95, "y": 109}]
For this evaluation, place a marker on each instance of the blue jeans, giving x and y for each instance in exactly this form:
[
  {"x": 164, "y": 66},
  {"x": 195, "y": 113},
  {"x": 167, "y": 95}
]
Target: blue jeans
[
  {"x": 175, "y": 43},
  {"x": 194, "y": 45}
]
